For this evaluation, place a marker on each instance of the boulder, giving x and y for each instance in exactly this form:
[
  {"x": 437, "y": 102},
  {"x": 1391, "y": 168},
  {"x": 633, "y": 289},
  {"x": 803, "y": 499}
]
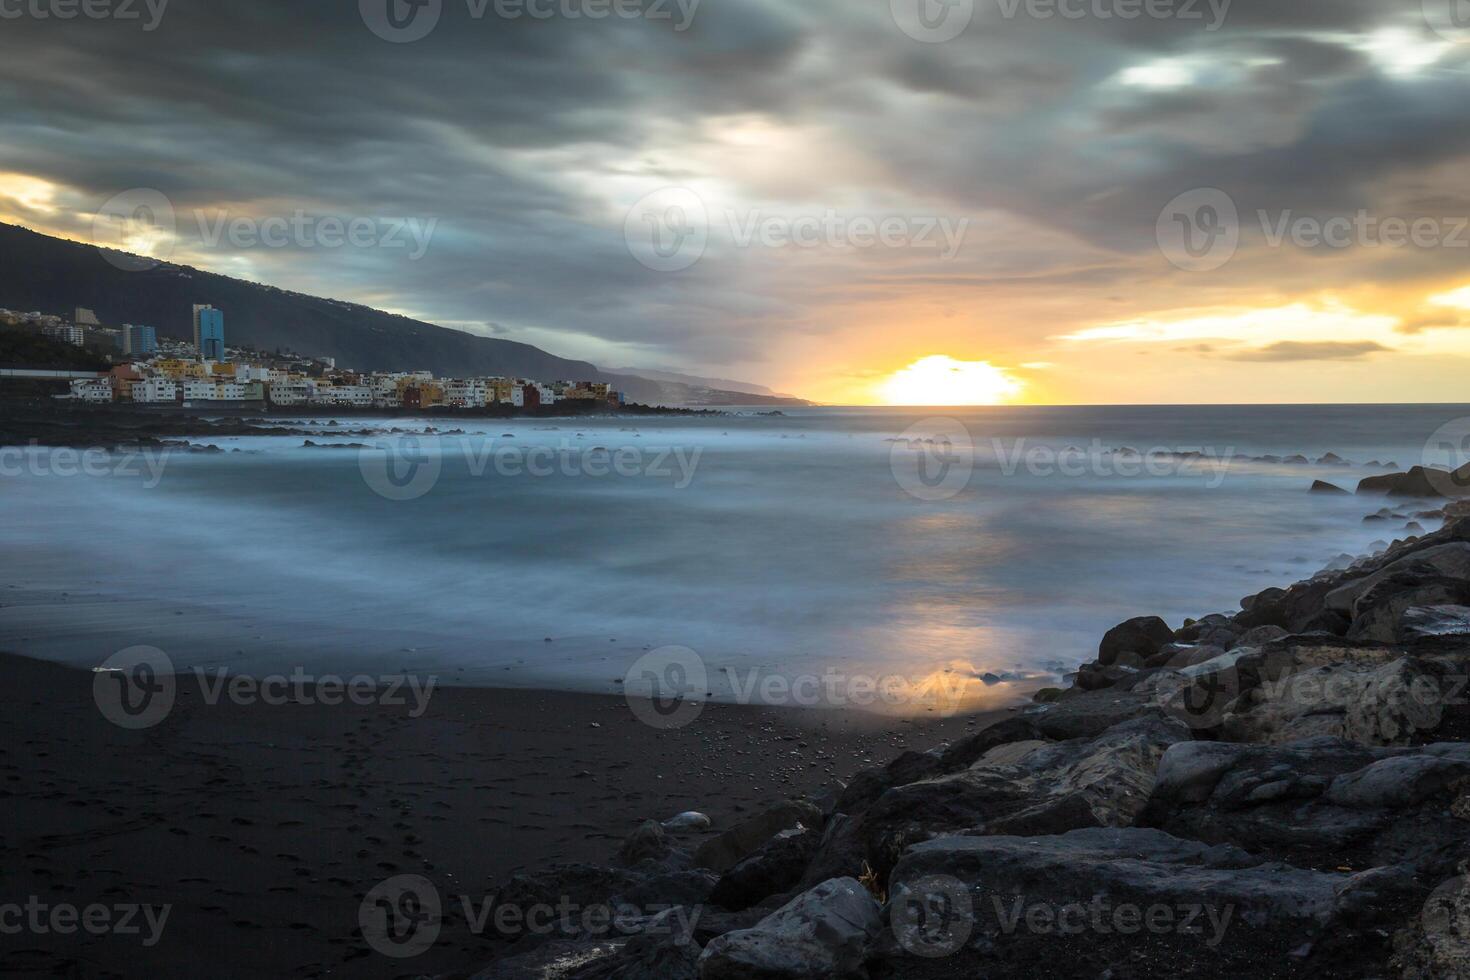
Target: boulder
[
  {"x": 1379, "y": 611},
  {"x": 1323, "y": 803},
  {"x": 1085, "y": 714},
  {"x": 648, "y": 849},
  {"x": 1391, "y": 704},
  {"x": 665, "y": 950},
  {"x": 824, "y": 932},
  {"x": 1419, "y": 481},
  {"x": 1322, "y": 486},
  {"x": 1436, "y": 943},
  {"x": 776, "y": 867},
  {"x": 1433, "y": 621},
  {"x": 1141, "y": 636},
  {"x": 723, "y": 852},
  {"x": 1077, "y": 902},
  {"x": 1086, "y": 782},
  {"x": 1451, "y": 559}
]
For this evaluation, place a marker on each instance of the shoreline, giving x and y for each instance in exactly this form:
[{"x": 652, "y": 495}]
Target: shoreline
[{"x": 264, "y": 825}]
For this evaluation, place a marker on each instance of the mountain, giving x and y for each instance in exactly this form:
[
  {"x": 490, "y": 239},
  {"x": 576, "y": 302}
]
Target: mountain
[
  {"x": 694, "y": 381},
  {"x": 53, "y": 275}
]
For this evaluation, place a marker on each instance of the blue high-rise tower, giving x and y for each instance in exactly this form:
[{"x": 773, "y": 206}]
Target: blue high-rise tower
[{"x": 209, "y": 333}]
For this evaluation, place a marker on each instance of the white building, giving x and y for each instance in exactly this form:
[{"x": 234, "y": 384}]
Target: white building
[
  {"x": 356, "y": 396},
  {"x": 66, "y": 333},
  {"x": 291, "y": 391},
  {"x": 155, "y": 391},
  {"x": 466, "y": 394},
  {"x": 92, "y": 390}
]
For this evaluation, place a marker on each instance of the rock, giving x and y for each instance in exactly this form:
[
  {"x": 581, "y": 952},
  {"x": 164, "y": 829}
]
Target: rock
[
  {"x": 1085, "y": 782},
  {"x": 722, "y": 853},
  {"x": 1426, "y": 621},
  {"x": 1087, "y": 714},
  {"x": 1047, "y": 695},
  {"x": 867, "y": 785},
  {"x": 1331, "y": 459},
  {"x": 965, "y": 752},
  {"x": 1451, "y": 559},
  {"x": 1016, "y": 896},
  {"x": 1436, "y": 944},
  {"x": 824, "y": 932},
  {"x": 649, "y": 843},
  {"x": 1141, "y": 636},
  {"x": 1258, "y": 636},
  {"x": 1322, "y": 486},
  {"x": 1419, "y": 481},
  {"x": 1319, "y": 803},
  {"x": 559, "y": 959},
  {"x": 688, "y": 820},
  {"x": 776, "y": 867},
  {"x": 1391, "y": 704},
  {"x": 1379, "y": 610}
]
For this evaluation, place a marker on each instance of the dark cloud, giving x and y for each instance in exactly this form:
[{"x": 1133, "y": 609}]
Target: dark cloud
[
  {"x": 1288, "y": 350},
  {"x": 527, "y": 140}
]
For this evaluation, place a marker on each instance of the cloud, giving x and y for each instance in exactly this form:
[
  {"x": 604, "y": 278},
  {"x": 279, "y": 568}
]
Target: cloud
[
  {"x": 1288, "y": 350},
  {"x": 529, "y": 141}
]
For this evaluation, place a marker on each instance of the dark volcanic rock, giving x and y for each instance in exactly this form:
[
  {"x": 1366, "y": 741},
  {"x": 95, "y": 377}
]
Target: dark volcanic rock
[
  {"x": 1141, "y": 636},
  {"x": 1322, "y": 486},
  {"x": 1220, "y": 912},
  {"x": 1088, "y": 782},
  {"x": 1321, "y": 803},
  {"x": 824, "y": 932},
  {"x": 775, "y": 868},
  {"x": 725, "y": 851}
]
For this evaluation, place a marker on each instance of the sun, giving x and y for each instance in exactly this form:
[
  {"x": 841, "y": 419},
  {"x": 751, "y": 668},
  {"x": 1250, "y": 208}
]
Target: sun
[{"x": 941, "y": 380}]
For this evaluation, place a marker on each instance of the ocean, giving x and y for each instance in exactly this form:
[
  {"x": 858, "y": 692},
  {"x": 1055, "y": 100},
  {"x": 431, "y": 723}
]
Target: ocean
[{"x": 795, "y": 556}]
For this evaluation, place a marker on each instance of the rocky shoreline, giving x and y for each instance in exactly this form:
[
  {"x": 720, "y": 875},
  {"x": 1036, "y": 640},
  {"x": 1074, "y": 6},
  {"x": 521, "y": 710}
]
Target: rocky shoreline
[
  {"x": 1281, "y": 791},
  {"x": 44, "y": 423}
]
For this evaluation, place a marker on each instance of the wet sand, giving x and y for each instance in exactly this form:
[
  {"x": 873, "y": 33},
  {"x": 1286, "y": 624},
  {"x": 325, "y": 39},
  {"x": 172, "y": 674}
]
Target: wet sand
[{"x": 264, "y": 825}]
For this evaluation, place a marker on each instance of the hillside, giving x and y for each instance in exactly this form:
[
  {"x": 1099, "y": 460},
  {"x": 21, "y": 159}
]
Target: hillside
[{"x": 38, "y": 272}]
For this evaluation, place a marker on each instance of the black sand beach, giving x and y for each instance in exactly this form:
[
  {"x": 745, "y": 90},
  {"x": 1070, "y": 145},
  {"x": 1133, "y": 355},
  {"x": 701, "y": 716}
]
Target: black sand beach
[{"x": 263, "y": 826}]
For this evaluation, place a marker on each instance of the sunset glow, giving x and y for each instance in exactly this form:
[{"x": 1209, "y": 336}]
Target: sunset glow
[{"x": 941, "y": 380}]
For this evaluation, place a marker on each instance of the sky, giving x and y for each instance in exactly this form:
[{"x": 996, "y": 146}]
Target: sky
[{"x": 856, "y": 201}]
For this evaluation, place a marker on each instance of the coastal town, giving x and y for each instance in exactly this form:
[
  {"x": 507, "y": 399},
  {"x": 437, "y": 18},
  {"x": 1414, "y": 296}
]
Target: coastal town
[{"x": 152, "y": 371}]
